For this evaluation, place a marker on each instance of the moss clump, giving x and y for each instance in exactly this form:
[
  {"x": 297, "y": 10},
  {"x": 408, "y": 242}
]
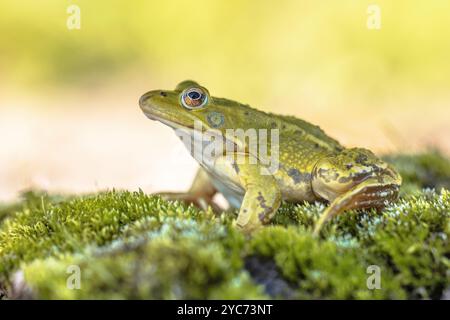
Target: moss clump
[
  {"x": 322, "y": 269},
  {"x": 408, "y": 240},
  {"x": 425, "y": 170},
  {"x": 133, "y": 245},
  {"x": 67, "y": 227},
  {"x": 163, "y": 268}
]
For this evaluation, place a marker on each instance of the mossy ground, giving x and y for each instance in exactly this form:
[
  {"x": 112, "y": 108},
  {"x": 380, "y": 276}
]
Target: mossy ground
[{"x": 129, "y": 245}]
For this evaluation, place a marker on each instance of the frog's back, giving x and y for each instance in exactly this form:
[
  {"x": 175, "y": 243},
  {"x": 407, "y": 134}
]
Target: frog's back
[
  {"x": 309, "y": 132},
  {"x": 302, "y": 144}
]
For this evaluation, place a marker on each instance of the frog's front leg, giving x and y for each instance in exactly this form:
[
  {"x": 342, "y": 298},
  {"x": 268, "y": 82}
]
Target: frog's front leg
[
  {"x": 200, "y": 193},
  {"x": 262, "y": 195}
]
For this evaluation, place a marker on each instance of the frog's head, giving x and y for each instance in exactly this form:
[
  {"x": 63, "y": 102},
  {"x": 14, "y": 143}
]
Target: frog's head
[
  {"x": 177, "y": 108},
  {"x": 339, "y": 173},
  {"x": 190, "y": 103}
]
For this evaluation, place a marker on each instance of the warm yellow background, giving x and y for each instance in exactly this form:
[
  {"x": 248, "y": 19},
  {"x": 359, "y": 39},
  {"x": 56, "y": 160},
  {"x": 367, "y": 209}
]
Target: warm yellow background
[{"x": 69, "y": 119}]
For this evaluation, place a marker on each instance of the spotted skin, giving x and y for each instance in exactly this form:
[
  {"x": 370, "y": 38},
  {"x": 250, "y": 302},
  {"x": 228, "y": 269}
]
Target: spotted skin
[{"x": 312, "y": 165}]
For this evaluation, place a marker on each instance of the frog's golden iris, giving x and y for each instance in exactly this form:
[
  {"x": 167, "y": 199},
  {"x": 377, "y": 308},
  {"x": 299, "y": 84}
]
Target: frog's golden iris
[{"x": 194, "y": 98}]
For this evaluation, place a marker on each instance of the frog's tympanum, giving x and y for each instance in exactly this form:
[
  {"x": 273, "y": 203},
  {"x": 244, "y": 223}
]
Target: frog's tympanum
[{"x": 311, "y": 166}]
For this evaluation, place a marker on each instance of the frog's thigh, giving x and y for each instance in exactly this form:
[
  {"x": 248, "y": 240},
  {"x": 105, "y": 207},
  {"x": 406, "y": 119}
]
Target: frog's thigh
[{"x": 262, "y": 196}]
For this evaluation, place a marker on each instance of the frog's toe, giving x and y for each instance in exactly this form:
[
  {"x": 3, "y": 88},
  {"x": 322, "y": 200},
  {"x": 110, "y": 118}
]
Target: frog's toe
[{"x": 248, "y": 228}]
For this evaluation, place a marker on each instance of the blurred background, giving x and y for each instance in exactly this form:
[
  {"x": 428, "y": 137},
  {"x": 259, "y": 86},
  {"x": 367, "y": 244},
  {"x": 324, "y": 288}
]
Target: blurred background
[{"x": 69, "y": 115}]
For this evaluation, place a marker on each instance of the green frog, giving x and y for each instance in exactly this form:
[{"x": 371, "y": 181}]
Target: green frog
[{"x": 304, "y": 163}]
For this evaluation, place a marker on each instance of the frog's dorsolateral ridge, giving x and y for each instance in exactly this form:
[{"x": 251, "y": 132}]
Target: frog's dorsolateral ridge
[{"x": 304, "y": 163}]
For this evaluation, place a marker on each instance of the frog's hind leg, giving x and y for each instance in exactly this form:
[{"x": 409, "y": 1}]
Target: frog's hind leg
[
  {"x": 200, "y": 193},
  {"x": 368, "y": 194}
]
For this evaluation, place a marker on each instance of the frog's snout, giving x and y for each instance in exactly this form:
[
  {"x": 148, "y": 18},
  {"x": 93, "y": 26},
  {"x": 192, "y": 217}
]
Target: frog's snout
[
  {"x": 145, "y": 102},
  {"x": 144, "y": 98}
]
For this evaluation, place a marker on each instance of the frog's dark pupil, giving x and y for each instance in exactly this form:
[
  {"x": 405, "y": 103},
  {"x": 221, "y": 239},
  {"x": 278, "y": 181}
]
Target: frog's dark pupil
[{"x": 194, "y": 95}]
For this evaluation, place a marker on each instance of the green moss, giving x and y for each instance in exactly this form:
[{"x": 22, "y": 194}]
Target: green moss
[
  {"x": 322, "y": 269},
  {"x": 133, "y": 245},
  {"x": 66, "y": 227},
  {"x": 408, "y": 240},
  {"x": 425, "y": 170},
  {"x": 159, "y": 269}
]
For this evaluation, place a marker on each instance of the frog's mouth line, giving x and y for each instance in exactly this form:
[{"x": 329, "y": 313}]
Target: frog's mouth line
[
  {"x": 172, "y": 124},
  {"x": 179, "y": 126}
]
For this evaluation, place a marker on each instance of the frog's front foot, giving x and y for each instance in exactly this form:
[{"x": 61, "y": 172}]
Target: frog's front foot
[
  {"x": 261, "y": 200},
  {"x": 367, "y": 184}
]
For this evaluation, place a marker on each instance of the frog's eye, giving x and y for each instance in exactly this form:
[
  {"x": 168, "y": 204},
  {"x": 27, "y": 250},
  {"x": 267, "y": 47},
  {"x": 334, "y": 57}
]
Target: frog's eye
[{"x": 194, "y": 98}]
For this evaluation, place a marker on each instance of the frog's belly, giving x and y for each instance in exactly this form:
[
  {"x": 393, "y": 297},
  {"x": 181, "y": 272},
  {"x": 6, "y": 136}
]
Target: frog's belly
[
  {"x": 232, "y": 194},
  {"x": 226, "y": 181},
  {"x": 220, "y": 171}
]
